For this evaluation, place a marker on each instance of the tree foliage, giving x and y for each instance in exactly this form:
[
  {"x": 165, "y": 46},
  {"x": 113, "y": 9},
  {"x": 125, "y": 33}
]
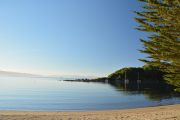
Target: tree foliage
[
  {"x": 146, "y": 73},
  {"x": 161, "y": 18}
]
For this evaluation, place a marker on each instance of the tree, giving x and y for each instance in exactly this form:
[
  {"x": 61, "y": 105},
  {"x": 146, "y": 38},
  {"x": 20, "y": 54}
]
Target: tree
[{"x": 161, "y": 18}]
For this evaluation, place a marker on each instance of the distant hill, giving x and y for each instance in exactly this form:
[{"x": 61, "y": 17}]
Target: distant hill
[
  {"x": 59, "y": 77},
  {"x": 16, "y": 74}
]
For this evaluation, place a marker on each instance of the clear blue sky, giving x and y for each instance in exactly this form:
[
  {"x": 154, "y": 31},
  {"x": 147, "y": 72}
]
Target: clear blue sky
[{"x": 69, "y": 37}]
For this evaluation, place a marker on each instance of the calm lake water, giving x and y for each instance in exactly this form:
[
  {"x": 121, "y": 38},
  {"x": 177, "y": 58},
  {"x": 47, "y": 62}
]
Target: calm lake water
[{"x": 45, "y": 94}]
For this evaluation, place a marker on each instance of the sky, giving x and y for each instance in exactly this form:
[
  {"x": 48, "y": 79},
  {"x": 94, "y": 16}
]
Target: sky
[{"x": 69, "y": 37}]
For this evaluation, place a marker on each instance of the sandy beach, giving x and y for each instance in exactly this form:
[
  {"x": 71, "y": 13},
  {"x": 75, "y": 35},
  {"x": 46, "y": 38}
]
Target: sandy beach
[{"x": 170, "y": 112}]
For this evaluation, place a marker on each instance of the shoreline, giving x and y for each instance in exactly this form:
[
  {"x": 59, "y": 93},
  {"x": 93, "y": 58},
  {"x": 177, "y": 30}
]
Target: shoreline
[{"x": 168, "y": 112}]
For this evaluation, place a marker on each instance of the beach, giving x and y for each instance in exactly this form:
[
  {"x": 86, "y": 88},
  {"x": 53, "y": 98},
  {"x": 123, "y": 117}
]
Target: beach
[{"x": 169, "y": 112}]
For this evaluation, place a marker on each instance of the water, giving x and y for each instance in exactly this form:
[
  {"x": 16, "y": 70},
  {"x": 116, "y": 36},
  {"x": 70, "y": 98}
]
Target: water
[{"x": 45, "y": 94}]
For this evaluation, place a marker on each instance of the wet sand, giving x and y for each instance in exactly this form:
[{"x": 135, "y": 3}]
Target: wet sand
[{"x": 170, "y": 112}]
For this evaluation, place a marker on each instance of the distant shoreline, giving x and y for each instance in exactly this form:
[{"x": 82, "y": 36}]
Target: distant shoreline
[{"x": 169, "y": 112}]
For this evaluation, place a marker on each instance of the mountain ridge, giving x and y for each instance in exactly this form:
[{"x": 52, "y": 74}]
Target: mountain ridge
[{"x": 20, "y": 74}]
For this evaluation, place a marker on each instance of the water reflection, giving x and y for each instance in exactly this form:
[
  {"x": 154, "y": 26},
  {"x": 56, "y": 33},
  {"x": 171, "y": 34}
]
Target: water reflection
[{"x": 156, "y": 90}]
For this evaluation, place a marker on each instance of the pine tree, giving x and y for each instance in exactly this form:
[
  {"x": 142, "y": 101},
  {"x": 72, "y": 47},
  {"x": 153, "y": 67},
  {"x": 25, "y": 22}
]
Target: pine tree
[{"x": 161, "y": 18}]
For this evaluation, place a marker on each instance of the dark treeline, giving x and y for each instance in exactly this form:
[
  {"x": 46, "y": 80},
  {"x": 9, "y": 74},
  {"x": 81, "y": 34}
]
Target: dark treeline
[
  {"x": 149, "y": 78},
  {"x": 146, "y": 73}
]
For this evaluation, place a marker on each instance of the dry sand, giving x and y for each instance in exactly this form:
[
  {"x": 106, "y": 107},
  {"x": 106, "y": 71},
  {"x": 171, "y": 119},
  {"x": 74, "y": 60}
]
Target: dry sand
[{"x": 170, "y": 112}]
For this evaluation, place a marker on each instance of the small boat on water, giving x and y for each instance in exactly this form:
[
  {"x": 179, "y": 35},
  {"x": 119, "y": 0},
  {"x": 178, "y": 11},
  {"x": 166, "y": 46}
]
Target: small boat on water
[
  {"x": 138, "y": 80},
  {"x": 126, "y": 81}
]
